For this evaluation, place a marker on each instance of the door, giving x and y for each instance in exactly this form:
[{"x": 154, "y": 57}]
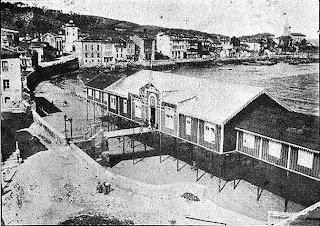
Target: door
[{"x": 153, "y": 116}]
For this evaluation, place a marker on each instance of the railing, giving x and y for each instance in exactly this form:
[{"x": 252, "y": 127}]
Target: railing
[{"x": 56, "y": 136}]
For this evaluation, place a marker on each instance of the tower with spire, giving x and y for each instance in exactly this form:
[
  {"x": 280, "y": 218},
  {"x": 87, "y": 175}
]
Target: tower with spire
[{"x": 287, "y": 27}]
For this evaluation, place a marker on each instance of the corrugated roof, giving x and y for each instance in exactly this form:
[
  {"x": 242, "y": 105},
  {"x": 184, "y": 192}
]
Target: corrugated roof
[
  {"x": 218, "y": 102},
  {"x": 164, "y": 82},
  {"x": 198, "y": 97}
]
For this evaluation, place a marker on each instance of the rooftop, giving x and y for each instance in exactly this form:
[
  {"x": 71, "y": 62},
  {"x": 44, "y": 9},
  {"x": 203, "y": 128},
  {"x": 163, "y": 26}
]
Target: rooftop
[
  {"x": 291, "y": 127},
  {"x": 198, "y": 97},
  {"x": 8, "y": 53}
]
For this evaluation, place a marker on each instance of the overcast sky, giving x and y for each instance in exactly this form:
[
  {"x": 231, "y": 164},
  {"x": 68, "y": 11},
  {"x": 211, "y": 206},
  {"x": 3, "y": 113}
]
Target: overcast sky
[{"x": 228, "y": 17}]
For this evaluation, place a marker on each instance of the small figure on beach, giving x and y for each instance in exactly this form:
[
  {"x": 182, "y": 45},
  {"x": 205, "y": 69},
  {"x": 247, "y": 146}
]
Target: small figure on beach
[
  {"x": 99, "y": 187},
  {"x": 106, "y": 188},
  {"x": 65, "y": 103}
]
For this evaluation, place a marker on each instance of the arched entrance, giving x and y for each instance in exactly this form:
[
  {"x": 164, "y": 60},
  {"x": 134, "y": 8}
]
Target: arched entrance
[{"x": 152, "y": 111}]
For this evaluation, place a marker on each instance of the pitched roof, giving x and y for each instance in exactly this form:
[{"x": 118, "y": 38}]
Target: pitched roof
[
  {"x": 291, "y": 127},
  {"x": 8, "y": 53},
  {"x": 102, "y": 80},
  {"x": 297, "y": 34},
  {"x": 198, "y": 97}
]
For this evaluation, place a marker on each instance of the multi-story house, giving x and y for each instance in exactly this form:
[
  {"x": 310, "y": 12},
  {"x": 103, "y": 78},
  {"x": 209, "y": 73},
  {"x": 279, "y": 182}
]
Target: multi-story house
[
  {"x": 8, "y": 37},
  {"x": 130, "y": 49},
  {"x": 173, "y": 47},
  {"x": 120, "y": 49},
  {"x": 71, "y": 36},
  {"x": 108, "y": 49},
  {"x": 55, "y": 40},
  {"x": 144, "y": 47},
  {"x": 89, "y": 52},
  {"x": 192, "y": 48},
  {"x": 297, "y": 37},
  {"x": 11, "y": 84}
]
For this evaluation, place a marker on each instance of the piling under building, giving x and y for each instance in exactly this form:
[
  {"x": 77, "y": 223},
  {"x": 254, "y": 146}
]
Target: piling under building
[{"x": 231, "y": 131}]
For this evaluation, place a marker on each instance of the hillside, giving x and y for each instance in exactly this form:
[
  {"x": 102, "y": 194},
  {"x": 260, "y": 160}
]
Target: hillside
[{"x": 34, "y": 20}]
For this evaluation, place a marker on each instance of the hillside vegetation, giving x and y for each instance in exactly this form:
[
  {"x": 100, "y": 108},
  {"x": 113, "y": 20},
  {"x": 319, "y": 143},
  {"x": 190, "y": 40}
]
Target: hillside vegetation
[{"x": 34, "y": 20}]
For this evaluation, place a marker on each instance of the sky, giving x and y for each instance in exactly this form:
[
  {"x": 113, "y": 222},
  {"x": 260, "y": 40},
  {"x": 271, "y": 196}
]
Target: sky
[{"x": 227, "y": 17}]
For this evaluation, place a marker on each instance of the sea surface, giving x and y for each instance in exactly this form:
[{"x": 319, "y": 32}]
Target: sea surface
[{"x": 295, "y": 85}]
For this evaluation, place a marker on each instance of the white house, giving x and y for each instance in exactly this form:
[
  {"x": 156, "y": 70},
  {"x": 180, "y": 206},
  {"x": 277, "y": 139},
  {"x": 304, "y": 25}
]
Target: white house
[
  {"x": 71, "y": 35},
  {"x": 11, "y": 84}
]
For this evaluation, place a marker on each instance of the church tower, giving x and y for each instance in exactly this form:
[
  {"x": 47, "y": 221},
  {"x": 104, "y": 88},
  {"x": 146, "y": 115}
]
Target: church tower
[
  {"x": 71, "y": 33},
  {"x": 287, "y": 27}
]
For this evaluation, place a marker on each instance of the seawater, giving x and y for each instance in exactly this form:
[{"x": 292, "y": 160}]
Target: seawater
[{"x": 295, "y": 85}]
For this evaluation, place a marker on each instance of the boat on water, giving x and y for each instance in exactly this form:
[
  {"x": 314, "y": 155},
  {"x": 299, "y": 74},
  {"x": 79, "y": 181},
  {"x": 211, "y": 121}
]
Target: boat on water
[
  {"x": 260, "y": 63},
  {"x": 225, "y": 68}
]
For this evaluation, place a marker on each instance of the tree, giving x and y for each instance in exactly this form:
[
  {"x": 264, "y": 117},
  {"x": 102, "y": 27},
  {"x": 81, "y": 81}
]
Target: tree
[{"x": 235, "y": 41}]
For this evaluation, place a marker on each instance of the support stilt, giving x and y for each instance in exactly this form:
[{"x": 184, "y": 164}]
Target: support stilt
[
  {"x": 235, "y": 183},
  {"x": 87, "y": 110},
  {"x": 123, "y": 143},
  {"x": 94, "y": 112},
  {"x": 132, "y": 145},
  {"x": 259, "y": 193},
  {"x": 160, "y": 145},
  {"x": 286, "y": 201}
]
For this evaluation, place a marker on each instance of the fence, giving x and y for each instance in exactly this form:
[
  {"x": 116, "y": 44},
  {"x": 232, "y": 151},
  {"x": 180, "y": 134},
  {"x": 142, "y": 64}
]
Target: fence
[{"x": 56, "y": 136}]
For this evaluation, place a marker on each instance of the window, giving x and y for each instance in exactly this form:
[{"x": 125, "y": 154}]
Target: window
[
  {"x": 5, "y": 65},
  {"x": 98, "y": 47},
  {"x": 97, "y": 94},
  {"x": 169, "y": 120},
  {"x": 137, "y": 108},
  {"x": 125, "y": 106},
  {"x": 98, "y": 54},
  {"x": 6, "y": 84},
  {"x": 305, "y": 158},
  {"x": 116, "y": 49},
  {"x": 85, "y": 47},
  {"x": 275, "y": 149},
  {"x": 90, "y": 92},
  {"x": 92, "y": 55},
  {"x": 91, "y": 47},
  {"x": 113, "y": 102},
  {"x": 86, "y": 55},
  {"x": 188, "y": 125},
  {"x": 248, "y": 140},
  {"x": 209, "y": 133},
  {"x": 105, "y": 97}
]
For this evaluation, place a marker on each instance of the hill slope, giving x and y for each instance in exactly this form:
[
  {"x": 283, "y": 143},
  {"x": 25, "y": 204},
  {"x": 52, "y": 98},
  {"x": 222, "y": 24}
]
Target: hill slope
[{"x": 34, "y": 20}]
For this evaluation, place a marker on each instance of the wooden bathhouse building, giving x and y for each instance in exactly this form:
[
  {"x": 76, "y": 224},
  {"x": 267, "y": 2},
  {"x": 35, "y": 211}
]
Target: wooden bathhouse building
[{"x": 217, "y": 118}]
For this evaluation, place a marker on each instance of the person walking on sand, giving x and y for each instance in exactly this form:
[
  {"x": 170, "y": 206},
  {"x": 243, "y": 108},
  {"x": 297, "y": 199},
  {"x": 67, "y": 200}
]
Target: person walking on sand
[{"x": 99, "y": 187}]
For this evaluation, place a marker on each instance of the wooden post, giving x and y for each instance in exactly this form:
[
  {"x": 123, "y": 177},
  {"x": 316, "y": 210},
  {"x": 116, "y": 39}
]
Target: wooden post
[
  {"x": 197, "y": 162},
  {"x": 132, "y": 142},
  {"x": 87, "y": 110},
  {"x": 237, "y": 142},
  {"x": 260, "y": 148},
  {"x": 94, "y": 112},
  {"x": 222, "y": 139},
  {"x": 123, "y": 144},
  {"x": 177, "y": 155},
  {"x": 160, "y": 145}
]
